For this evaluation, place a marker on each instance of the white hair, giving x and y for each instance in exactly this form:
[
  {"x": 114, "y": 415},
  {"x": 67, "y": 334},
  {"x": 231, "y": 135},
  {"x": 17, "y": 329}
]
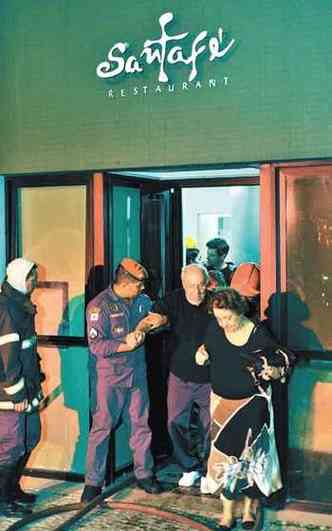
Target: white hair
[{"x": 195, "y": 267}]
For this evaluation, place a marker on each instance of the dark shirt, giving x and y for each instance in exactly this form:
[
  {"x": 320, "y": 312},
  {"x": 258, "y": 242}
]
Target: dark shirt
[
  {"x": 229, "y": 377},
  {"x": 188, "y": 326},
  {"x": 227, "y": 271}
]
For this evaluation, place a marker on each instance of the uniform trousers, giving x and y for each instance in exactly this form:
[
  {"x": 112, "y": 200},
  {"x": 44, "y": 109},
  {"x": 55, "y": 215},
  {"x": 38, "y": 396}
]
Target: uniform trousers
[
  {"x": 19, "y": 434},
  {"x": 111, "y": 403}
]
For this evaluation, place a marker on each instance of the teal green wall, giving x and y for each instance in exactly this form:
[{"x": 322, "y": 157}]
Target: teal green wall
[{"x": 56, "y": 116}]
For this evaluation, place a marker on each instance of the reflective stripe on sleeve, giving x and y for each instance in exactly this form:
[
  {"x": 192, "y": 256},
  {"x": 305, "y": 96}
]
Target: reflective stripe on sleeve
[
  {"x": 13, "y": 389},
  {"x": 9, "y": 338}
]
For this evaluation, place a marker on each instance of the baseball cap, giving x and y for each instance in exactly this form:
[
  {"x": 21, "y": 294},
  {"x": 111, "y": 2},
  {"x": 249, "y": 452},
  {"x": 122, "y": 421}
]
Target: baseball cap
[
  {"x": 246, "y": 279},
  {"x": 135, "y": 269}
]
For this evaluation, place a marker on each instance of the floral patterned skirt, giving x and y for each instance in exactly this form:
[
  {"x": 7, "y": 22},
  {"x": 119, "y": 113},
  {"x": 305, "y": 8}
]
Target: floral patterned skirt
[{"x": 243, "y": 458}]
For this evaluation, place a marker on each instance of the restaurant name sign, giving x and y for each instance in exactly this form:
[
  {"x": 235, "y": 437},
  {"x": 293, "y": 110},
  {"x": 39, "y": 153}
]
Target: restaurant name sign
[{"x": 166, "y": 52}]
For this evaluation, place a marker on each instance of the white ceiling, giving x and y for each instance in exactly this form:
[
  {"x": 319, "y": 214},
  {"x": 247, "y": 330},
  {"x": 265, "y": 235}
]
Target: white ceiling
[{"x": 191, "y": 174}]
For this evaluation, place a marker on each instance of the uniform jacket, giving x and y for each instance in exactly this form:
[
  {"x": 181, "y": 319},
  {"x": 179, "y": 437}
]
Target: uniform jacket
[
  {"x": 109, "y": 319},
  {"x": 20, "y": 374}
]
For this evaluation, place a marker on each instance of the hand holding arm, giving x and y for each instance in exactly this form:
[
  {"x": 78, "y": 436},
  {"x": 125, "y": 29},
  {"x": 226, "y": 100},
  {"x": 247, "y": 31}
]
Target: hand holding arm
[
  {"x": 134, "y": 339},
  {"x": 151, "y": 322}
]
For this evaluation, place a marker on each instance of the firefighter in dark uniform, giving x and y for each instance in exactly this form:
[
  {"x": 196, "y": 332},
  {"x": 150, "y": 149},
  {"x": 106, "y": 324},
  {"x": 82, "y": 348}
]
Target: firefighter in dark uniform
[
  {"x": 20, "y": 381},
  {"x": 117, "y": 366}
]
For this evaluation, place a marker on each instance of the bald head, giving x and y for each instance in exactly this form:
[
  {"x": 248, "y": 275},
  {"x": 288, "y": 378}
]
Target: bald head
[{"x": 194, "y": 279}]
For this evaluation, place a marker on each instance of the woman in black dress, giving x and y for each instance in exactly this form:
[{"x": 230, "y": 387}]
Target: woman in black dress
[{"x": 243, "y": 358}]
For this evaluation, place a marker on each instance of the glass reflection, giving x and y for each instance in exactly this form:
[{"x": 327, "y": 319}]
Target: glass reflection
[{"x": 309, "y": 257}]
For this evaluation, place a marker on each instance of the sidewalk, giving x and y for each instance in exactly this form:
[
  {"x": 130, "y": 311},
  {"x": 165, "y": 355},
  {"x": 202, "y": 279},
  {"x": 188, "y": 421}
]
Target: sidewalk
[{"x": 156, "y": 512}]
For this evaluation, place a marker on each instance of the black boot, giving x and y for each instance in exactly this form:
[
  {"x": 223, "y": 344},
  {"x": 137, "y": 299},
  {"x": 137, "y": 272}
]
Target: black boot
[
  {"x": 89, "y": 493},
  {"x": 8, "y": 506},
  {"x": 17, "y": 493}
]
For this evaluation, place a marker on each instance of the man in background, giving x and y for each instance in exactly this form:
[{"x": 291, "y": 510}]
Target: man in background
[{"x": 217, "y": 251}]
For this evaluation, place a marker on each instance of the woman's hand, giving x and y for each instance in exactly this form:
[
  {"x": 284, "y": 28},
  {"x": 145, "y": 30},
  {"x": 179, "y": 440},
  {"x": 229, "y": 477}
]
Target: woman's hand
[
  {"x": 270, "y": 373},
  {"x": 201, "y": 356}
]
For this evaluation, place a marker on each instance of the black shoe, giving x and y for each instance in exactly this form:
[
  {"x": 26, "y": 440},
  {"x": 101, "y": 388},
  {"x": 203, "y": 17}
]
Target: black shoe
[
  {"x": 226, "y": 527},
  {"x": 23, "y": 497},
  {"x": 89, "y": 493},
  {"x": 248, "y": 524},
  {"x": 12, "y": 509},
  {"x": 149, "y": 485}
]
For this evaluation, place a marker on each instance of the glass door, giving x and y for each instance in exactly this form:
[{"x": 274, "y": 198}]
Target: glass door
[
  {"x": 124, "y": 215},
  {"x": 49, "y": 226},
  {"x": 306, "y": 305}
]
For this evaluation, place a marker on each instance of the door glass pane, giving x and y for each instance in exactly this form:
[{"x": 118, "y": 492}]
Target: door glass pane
[
  {"x": 230, "y": 213},
  {"x": 310, "y": 431},
  {"x": 126, "y": 206},
  {"x": 65, "y": 418},
  {"x": 125, "y": 210},
  {"x": 309, "y": 261},
  {"x": 51, "y": 232}
]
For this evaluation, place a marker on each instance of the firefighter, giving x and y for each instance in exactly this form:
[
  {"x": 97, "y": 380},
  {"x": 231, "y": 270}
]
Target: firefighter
[
  {"x": 118, "y": 379},
  {"x": 20, "y": 381}
]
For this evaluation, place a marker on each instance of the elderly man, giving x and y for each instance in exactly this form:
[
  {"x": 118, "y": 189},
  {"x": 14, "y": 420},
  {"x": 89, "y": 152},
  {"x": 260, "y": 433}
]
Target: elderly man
[
  {"x": 20, "y": 382},
  {"x": 188, "y": 384},
  {"x": 117, "y": 365}
]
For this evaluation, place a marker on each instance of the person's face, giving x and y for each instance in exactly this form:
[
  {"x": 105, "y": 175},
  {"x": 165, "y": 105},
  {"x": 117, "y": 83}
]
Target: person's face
[
  {"x": 194, "y": 285},
  {"x": 213, "y": 258},
  {"x": 227, "y": 319},
  {"x": 31, "y": 281},
  {"x": 133, "y": 289}
]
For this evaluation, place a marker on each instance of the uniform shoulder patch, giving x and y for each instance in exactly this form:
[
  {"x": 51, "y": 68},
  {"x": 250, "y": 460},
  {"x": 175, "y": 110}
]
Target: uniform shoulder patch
[{"x": 94, "y": 313}]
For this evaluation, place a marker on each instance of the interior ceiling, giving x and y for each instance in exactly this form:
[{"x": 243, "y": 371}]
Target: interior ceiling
[{"x": 191, "y": 174}]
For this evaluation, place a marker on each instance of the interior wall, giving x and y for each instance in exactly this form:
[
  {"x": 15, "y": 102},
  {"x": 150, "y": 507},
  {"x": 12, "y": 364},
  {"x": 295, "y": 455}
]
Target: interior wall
[
  {"x": 58, "y": 115},
  {"x": 240, "y": 204}
]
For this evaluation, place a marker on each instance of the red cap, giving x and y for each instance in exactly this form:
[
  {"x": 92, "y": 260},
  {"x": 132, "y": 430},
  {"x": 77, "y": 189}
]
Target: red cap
[
  {"x": 246, "y": 279},
  {"x": 135, "y": 269}
]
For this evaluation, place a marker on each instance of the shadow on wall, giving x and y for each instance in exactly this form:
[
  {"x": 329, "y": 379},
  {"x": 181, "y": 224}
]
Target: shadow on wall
[
  {"x": 75, "y": 383},
  {"x": 301, "y": 417}
]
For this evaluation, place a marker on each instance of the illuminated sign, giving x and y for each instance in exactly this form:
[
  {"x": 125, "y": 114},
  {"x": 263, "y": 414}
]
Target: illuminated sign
[{"x": 166, "y": 51}]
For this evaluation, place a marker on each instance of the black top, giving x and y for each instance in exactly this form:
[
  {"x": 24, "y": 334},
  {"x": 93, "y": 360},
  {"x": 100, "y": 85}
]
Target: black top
[
  {"x": 188, "y": 326},
  {"x": 226, "y": 271},
  {"x": 229, "y": 377}
]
